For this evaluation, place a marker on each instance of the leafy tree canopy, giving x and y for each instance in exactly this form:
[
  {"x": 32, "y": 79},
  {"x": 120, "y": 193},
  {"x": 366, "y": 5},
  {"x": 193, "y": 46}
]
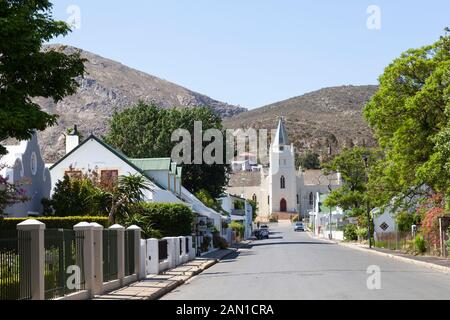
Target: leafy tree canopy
[
  {"x": 145, "y": 131},
  {"x": 410, "y": 117},
  {"x": 308, "y": 160},
  {"x": 352, "y": 195},
  {"x": 27, "y": 72}
]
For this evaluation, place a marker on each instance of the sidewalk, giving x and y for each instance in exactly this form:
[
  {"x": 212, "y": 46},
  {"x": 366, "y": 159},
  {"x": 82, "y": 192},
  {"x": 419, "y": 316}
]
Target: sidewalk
[
  {"x": 432, "y": 262},
  {"x": 155, "y": 286}
]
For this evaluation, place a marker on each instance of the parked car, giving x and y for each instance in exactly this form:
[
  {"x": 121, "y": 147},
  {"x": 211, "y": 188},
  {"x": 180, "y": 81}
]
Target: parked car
[
  {"x": 261, "y": 234},
  {"x": 299, "y": 226},
  {"x": 264, "y": 233}
]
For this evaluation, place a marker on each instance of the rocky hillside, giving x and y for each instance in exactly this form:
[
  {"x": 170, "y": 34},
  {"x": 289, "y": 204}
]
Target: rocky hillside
[
  {"x": 330, "y": 116},
  {"x": 109, "y": 86}
]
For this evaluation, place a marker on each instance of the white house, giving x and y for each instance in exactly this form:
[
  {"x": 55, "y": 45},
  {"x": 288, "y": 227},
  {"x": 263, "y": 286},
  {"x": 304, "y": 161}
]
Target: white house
[
  {"x": 239, "y": 210},
  {"x": 24, "y": 165},
  {"x": 94, "y": 155},
  {"x": 319, "y": 218}
]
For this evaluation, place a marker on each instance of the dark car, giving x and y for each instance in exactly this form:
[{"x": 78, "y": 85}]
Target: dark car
[
  {"x": 261, "y": 234},
  {"x": 299, "y": 226}
]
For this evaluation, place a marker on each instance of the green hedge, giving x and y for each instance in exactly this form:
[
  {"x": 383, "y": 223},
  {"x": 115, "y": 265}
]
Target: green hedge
[
  {"x": 172, "y": 220},
  {"x": 53, "y": 222}
]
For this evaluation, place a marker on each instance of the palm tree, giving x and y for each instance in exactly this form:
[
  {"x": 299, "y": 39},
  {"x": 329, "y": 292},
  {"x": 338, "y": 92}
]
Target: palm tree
[{"x": 130, "y": 189}]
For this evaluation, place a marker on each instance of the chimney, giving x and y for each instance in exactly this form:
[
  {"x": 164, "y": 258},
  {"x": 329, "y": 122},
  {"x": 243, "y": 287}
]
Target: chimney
[{"x": 72, "y": 140}]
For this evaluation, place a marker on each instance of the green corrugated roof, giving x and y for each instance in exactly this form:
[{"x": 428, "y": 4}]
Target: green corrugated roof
[{"x": 152, "y": 163}]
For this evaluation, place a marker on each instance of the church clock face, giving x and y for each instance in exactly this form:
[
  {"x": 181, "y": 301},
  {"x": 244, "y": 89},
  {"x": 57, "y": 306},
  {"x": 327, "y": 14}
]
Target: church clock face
[{"x": 33, "y": 163}]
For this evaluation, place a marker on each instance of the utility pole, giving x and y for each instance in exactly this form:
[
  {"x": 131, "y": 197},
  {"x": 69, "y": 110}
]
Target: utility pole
[{"x": 366, "y": 166}]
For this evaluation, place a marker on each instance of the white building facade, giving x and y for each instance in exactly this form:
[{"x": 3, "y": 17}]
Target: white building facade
[{"x": 279, "y": 189}]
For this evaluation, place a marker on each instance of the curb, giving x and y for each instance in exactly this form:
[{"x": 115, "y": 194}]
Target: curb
[
  {"x": 428, "y": 265},
  {"x": 177, "y": 283}
]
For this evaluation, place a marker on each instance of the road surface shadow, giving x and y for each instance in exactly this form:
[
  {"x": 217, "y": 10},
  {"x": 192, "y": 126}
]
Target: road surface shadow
[{"x": 288, "y": 243}]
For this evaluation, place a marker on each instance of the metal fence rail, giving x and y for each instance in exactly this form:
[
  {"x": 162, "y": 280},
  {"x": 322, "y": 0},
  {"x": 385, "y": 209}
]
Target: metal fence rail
[
  {"x": 129, "y": 252},
  {"x": 162, "y": 248},
  {"x": 110, "y": 259},
  {"x": 63, "y": 260},
  {"x": 15, "y": 265}
]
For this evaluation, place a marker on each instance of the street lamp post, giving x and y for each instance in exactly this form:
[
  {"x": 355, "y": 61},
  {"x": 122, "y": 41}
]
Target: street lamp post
[
  {"x": 366, "y": 166},
  {"x": 330, "y": 235}
]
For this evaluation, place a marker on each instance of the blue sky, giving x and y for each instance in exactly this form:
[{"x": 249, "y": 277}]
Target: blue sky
[{"x": 254, "y": 52}]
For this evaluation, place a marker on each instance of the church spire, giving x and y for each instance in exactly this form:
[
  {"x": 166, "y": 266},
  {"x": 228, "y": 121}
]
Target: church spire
[{"x": 281, "y": 137}]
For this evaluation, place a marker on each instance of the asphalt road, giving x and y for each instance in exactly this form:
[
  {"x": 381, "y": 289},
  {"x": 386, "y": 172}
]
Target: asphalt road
[{"x": 295, "y": 266}]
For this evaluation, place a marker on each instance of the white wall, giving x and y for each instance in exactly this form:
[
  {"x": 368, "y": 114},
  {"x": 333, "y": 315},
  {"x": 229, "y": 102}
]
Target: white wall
[{"x": 92, "y": 156}]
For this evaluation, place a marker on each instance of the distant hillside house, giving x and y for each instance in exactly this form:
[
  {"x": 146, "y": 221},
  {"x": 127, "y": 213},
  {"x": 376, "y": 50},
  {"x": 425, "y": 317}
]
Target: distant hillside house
[
  {"x": 24, "y": 165},
  {"x": 280, "y": 189}
]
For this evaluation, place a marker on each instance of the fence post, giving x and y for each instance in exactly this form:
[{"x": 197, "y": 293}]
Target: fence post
[
  {"x": 171, "y": 252},
  {"x": 120, "y": 251},
  {"x": 183, "y": 250},
  {"x": 192, "y": 253},
  {"x": 88, "y": 255},
  {"x": 98, "y": 258},
  {"x": 153, "y": 256},
  {"x": 137, "y": 249},
  {"x": 37, "y": 256}
]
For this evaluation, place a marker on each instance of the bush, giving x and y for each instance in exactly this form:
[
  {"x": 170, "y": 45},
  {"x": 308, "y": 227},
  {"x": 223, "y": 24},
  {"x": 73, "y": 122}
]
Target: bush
[
  {"x": 420, "y": 245},
  {"x": 73, "y": 197},
  {"x": 205, "y": 244},
  {"x": 171, "y": 220},
  {"x": 219, "y": 242},
  {"x": 448, "y": 244},
  {"x": 238, "y": 228},
  {"x": 53, "y": 222},
  {"x": 350, "y": 232},
  {"x": 273, "y": 219},
  {"x": 361, "y": 233}
]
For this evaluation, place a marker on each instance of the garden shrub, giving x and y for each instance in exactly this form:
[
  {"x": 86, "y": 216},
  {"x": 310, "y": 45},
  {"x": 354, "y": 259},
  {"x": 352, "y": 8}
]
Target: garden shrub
[
  {"x": 420, "y": 245},
  {"x": 53, "y": 222},
  {"x": 171, "y": 220},
  {"x": 448, "y": 244},
  {"x": 350, "y": 232},
  {"x": 273, "y": 219},
  {"x": 219, "y": 242},
  {"x": 238, "y": 228},
  {"x": 361, "y": 233},
  {"x": 205, "y": 244}
]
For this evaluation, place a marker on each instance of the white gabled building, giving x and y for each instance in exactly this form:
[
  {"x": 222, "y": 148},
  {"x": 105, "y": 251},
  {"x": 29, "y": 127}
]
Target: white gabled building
[
  {"x": 23, "y": 165},
  {"x": 94, "y": 155},
  {"x": 280, "y": 189}
]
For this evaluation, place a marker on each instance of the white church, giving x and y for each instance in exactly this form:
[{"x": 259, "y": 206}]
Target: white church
[{"x": 280, "y": 189}]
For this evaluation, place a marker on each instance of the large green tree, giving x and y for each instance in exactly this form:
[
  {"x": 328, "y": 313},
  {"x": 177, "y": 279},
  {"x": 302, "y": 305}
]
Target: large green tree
[
  {"x": 27, "y": 72},
  {"x": 410, "y": 117},
  {"x": 145, "y": 131},
  {"x": 352, "y": 196}
]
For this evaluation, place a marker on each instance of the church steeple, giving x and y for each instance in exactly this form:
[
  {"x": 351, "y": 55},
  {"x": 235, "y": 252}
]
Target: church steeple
[{"x": 281, "y": 137}]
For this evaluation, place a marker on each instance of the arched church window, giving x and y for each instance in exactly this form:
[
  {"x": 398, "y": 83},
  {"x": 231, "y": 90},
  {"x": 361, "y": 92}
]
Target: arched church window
[
  {"x": 254, "y": 198},
  {"x": 283, "y": 182},
  {"x": 311, "y": 199}
]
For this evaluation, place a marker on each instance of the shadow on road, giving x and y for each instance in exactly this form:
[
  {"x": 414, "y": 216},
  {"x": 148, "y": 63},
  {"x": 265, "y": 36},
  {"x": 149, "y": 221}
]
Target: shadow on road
[{"x": 259, "y": 244}]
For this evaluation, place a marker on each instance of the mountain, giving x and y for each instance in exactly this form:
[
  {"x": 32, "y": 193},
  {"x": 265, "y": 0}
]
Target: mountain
[
  {"x": 109, "y": 86},
  {"x": 316, "y": 120}
]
